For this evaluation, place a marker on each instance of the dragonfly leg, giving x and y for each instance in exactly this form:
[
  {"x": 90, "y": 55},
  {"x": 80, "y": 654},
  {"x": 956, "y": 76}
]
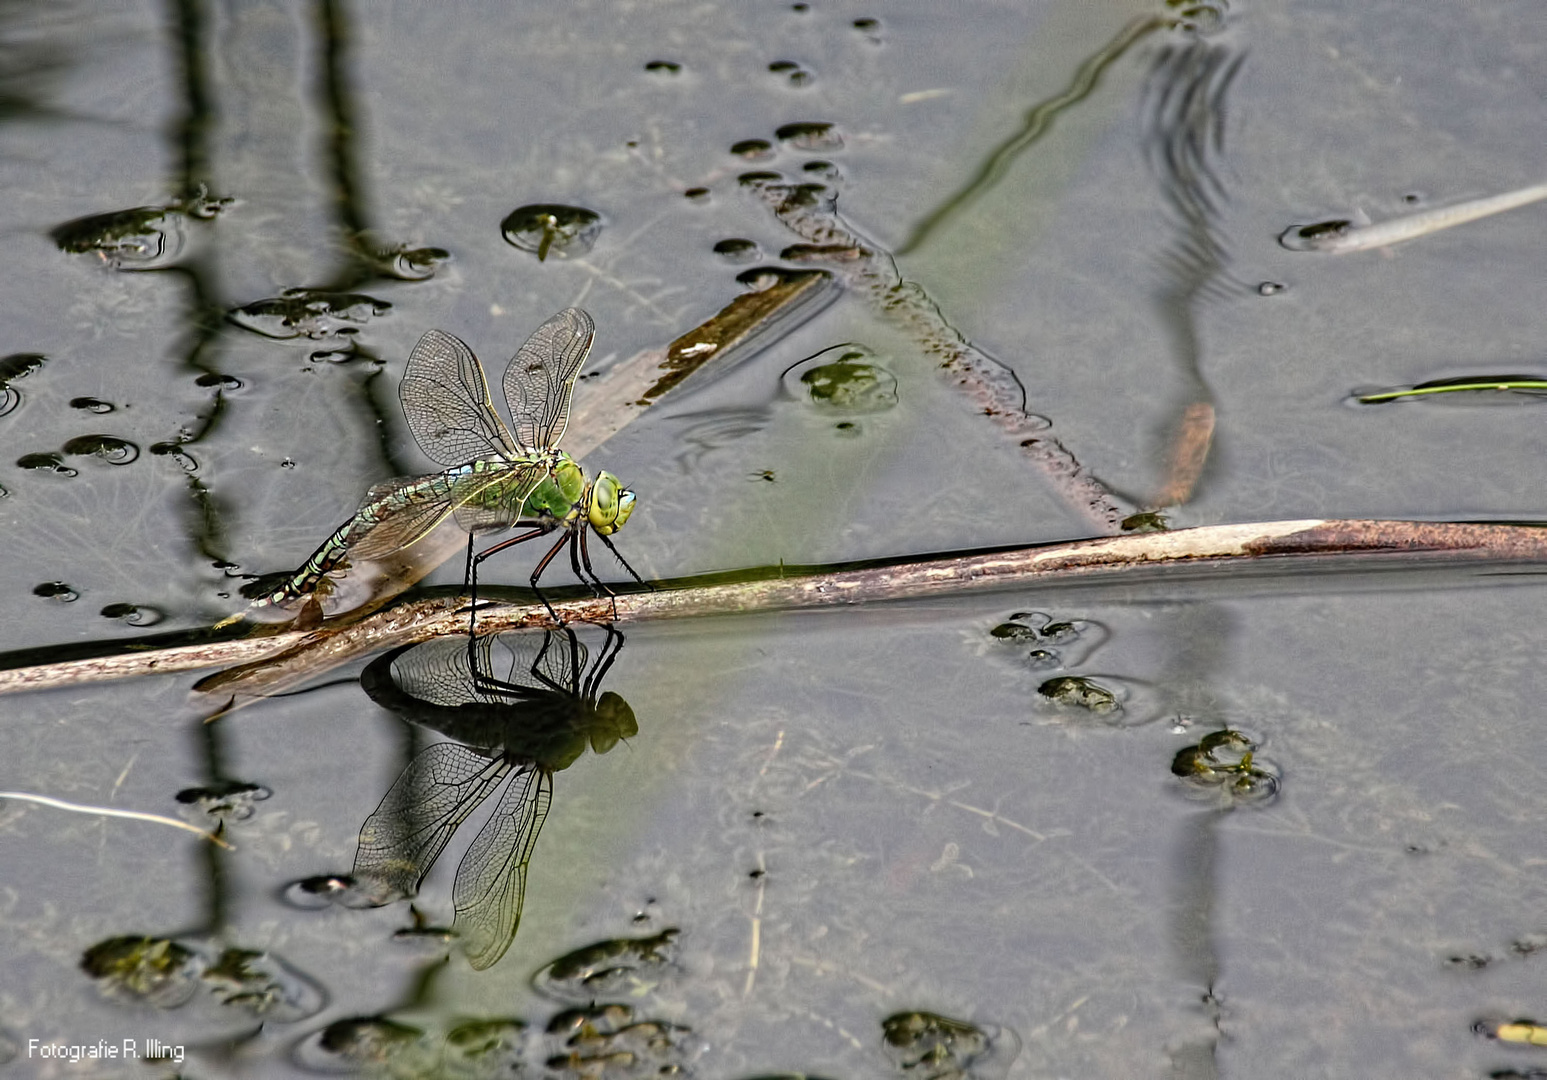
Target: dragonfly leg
[
  {"x": 467, "y": 569},
  {"x": 616, "y": 555},
  {"x": 567, "y": 538},
  {"x": 594, "y": 581},
  {"x": 611, "y": 647},
  {"x": 530, "y": 534}
]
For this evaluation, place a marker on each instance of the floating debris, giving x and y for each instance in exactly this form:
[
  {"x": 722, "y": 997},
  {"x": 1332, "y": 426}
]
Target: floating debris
[
  {"x": 545, "y": 229},
  {"x": 1470, "y": 389},
  {"x": 1225, "y": 761},
  {"x": 738, "y": 250},
  {"x": 810, "y": 135},
  {"x": 12, "y": 368},
  {"x": 315, "y": 314},
  {"x": 110, "y": 448},
  {"x": 627, "y": 967},
  {"x": 1339, "y": 236}
]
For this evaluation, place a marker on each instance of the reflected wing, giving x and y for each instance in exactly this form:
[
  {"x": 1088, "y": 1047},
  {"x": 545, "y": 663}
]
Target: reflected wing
[
  {"x": 438, "y": 672},
  {"x": 541, "y": 377},
  {"x": 446, "y": 401},
  {"x": 491, "y": 882},
  {"x": 523, "y": 666},
  {"x": 417, "y": 817}
]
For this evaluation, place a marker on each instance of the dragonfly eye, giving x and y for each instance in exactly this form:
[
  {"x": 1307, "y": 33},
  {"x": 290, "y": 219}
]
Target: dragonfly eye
[{"x": 611, "y": 504}]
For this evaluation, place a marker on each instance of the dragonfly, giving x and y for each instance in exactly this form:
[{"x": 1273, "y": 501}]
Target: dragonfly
[
  {"x": 498, "y": 480},
  {"x": 522, "y": 708}
]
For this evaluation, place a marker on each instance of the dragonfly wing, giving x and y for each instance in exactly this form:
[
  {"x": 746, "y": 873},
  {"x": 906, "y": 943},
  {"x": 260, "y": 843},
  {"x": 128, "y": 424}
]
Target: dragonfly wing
[
  {"x": 400, "y": 512},
  {"x": 541, "y": 377},
  {"x": 446, "y": 401},
  {"x": 495, "y": 501},
  {"x": 491, "y": 881},
  {"x": 418, "y": 815}
]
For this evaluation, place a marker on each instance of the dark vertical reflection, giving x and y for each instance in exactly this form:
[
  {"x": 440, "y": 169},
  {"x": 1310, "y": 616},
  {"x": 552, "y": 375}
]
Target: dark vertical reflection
[
  {"x": 1198, "y": 635},
  {"x": 361, "y": 257},
  {"x": 189, "y": 134},
  {"x": 1185, "y": 121},
  {"x": 337, "y": 100}
]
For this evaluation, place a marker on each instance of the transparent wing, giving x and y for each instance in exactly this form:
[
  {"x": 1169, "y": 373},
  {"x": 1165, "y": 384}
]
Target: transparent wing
[
  {"x": 511, "y": 666},
  {"x": 541, "y": 377},
  {"x": 401, "y": 512},
  {"x": 446, "y": 401},
  {"x": 437, "y": 671},
  {"x": 496, "y": 503},
  {"x": 491, "y": 882},
  {"x": 418, "y": 815}
]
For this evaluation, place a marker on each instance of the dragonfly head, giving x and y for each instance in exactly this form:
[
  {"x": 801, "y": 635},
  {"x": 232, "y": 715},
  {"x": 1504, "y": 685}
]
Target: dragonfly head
[{"x": 611, "y": 504}]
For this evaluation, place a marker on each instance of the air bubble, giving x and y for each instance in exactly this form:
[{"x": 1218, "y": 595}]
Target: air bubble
[
  {"x": 45, "y": 463},
  {"x": 56, "y": 590}
]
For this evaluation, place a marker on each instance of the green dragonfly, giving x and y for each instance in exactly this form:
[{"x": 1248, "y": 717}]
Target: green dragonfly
[{"x": 499, "y": 480}]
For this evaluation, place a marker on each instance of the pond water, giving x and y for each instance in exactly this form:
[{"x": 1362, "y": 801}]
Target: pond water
[{"x": 863, "y": 843}]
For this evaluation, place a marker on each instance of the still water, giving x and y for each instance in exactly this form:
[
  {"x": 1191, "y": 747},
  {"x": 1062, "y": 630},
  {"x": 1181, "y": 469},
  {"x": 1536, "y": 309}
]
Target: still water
[{"x": 998, "y": 836}]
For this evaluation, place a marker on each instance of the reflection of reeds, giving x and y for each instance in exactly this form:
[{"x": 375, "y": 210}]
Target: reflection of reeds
[
  {"x": 1185, "y": 113},
  {"x": 1038, "y": 121},
  {"x": 809, "y": 211}
]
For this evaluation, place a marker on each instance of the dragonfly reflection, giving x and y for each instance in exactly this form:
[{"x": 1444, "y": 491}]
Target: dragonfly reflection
[{"x": 521, "y": 707}]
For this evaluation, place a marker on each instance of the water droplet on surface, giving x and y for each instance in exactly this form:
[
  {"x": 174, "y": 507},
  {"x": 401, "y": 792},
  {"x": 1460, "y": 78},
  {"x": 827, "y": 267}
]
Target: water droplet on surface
[
  {"x": 287, "y": 463},
  {"x": 1314, "y": 237},
  {"x": 753, "y": 149},
  {"x": 109, "y": 448},
  {"x": 1271, "y": 288},
  {"x": 825, "y": 169},
  {"x": 738, "y": 250},
  {"x": 56, "y": 590},
  {"x": 213, "y": 380},
  {"x": 133, "y": 614},
  {"x": 314, "y": 314},
  {"x": 549, "y": 229},
  {"x": 867, "y": 26},
  {"x": 810, "y": 135},
  {"x": 45, "y": 463},
  {"x": 663, "y": 67},
  {"x": 696, "y": 194},
  {"x": 90, "y": 404}
]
